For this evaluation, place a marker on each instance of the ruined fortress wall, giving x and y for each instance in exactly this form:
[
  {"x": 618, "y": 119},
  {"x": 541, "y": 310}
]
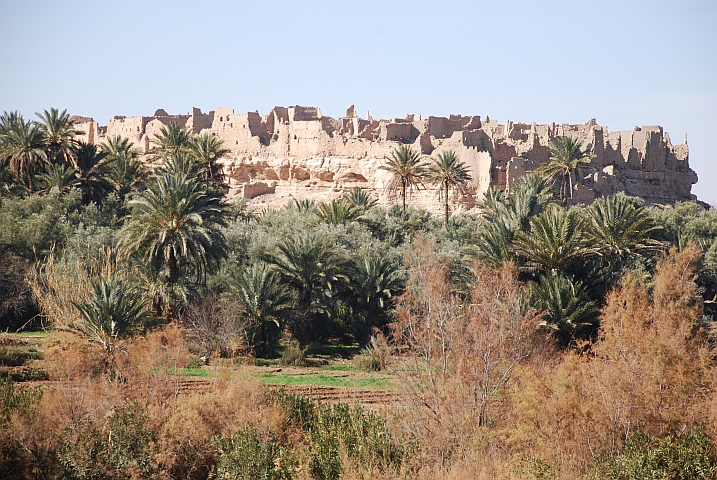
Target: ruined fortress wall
[{"x": 296, "y": 152}]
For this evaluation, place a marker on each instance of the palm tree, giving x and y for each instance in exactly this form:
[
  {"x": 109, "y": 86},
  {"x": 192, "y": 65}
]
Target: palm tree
[
  {"x": 58, "y": 135},
  {"x": 337, "y": 212},
  {"x": 375, "y": 280},
  {"x": 208, "y": 151},
  {"x": 92, "y": 172},
  {"x": 555, "y": 242},
  {"x": 7, "y": 119},
  {"x": 22, "y": 145},
  {"x": 174, "y": 227},
  {"x": 126, "y": 173},
  {"x": 303, "y": 206},
  {"x": 447, "y": 171},
  {"x": 565, "y": 305},
  {"x": 60, "y": 176},
  {"x": 112, "y": 312},
  {"x": 264, "y": 303},
  {"x": 566, "y": 158},
  {"x": 407, "y": 170},
  {"x": 118, "y": 145},
  {"x": 306, "y": 263},
  {"x": 492, "y": 203},
  {"x": 621, "y": 225},
  {"x": 494, "y": 242},
  {"x": 182, "y": 164},
  {"x": 505, "y": 215},
  {"x": 358, "y": 197},
  {"x": 172, "y": 139}
]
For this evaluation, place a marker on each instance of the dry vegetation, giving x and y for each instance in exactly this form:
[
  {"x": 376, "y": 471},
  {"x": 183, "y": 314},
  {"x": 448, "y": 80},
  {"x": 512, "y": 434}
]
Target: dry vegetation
[
  {"x": 535, "y": 339},
  {"x": 485, "y": 395}
]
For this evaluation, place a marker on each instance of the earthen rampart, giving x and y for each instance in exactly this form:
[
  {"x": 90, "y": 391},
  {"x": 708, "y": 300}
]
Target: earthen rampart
[{"x": 296, "y": 152}]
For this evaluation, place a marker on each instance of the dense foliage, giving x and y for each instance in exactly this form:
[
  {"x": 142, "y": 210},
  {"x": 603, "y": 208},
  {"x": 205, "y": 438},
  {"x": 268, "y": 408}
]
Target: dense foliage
[{"x": 95, "y": 242}]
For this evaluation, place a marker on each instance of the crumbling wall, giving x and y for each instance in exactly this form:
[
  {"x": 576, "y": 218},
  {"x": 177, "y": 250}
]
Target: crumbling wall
[{"x": 296, "y": 152}]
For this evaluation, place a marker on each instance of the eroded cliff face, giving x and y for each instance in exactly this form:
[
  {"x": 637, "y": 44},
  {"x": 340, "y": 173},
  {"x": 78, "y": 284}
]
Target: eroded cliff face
[{"x": 296, "y": 152}]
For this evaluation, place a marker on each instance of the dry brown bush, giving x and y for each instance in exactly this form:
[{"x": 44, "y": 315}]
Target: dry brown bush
[
  {"x": 459, "y": 356},
  {"x": 56, "y": 283},
  {"x": 216, "y": 328},
  {"x": 76, "y": 409},
  {"x": 651, "y": 370},
  {"x": 486, "y": 395}
]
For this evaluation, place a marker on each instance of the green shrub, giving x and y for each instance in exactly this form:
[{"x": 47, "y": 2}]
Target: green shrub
[
  {"x": 300, "y": 410},
  {"x": 16, "y": 356},
  {"x": 244, "y": 456},
  {"x": 90, "y": 452},
  {"x": 685, "y": 457},
  {"x": 293, "y": 354},
  {"x": 335, "y": 430},
  {"x": 32, "y": 226},
  {"x": 368, "y": 362},
  {"x": 197, "y": 362},
  {"x": 535, "y": 468},
  {"x": 14, "y": 401}
]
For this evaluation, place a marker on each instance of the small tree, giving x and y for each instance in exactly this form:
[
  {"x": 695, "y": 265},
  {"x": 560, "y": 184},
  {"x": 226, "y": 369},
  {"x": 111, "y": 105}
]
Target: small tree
[
  {"x": 463, "y": 351},
  {"x": 22, "y": 144},
  {"x": 407, "y": 170},
  {"x": 58, "y": 135},
  {"x": 113, "y": 311},
  {"x": 174, "y": 227},
  {"x": 172, "y": 139},
  {"x": 447, "y": 171},
  {"x": 264, "y": 304},
  {"x": 566, "y": 159}
]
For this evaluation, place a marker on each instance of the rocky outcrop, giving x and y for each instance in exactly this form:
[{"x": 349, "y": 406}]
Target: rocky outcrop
[{"x": 296, "y": 152}]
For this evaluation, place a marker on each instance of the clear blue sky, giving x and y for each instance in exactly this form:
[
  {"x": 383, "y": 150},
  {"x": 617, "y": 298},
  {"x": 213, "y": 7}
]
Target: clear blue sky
[{"x": 625, "y": 63}]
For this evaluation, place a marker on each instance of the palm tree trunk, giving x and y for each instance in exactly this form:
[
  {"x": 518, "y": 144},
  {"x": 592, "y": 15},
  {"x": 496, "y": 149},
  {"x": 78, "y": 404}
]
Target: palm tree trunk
[
  {"x": 172, "y": 267},
  {"x": 29, "y": 179},
  {"x": 403, "y": 190},
  {"x": 445, "y": 222}
]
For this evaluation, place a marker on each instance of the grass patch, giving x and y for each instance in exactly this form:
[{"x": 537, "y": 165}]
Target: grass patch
[
  {"x": 34, "y": 333},
  {"x": 325, "y": 380},
  {"x": 267, "y": 362},
  {"x": 194, "y": 372},
  {"x": 340, "y": 368},
  {"x": 16, "y": 356},
  {"x": 189, "y": 372}
]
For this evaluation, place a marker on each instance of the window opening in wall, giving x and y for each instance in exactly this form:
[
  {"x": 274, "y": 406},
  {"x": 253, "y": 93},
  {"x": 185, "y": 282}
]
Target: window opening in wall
[
  {"x": 227, "y": 118},
  {"x": 220, "y": 119}
]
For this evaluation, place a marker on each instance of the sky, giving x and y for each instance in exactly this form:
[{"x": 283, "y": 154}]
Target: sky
[{"x": 626, "y": 63}]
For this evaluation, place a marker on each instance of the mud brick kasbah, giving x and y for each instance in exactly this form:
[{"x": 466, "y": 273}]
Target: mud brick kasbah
[{"x": 297, "y": 153}]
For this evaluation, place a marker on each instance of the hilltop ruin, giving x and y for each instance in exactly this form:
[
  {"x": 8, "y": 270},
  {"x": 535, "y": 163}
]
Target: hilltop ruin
[{"x": 296, "y": 152}]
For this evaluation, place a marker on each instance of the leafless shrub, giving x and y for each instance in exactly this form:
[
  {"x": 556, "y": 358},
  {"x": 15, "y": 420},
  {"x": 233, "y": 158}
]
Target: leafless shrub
[
  {"x": 460, "y": 353},
  {"x": 56, "y": 283},
  {"x": 215, "y": 327}
]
